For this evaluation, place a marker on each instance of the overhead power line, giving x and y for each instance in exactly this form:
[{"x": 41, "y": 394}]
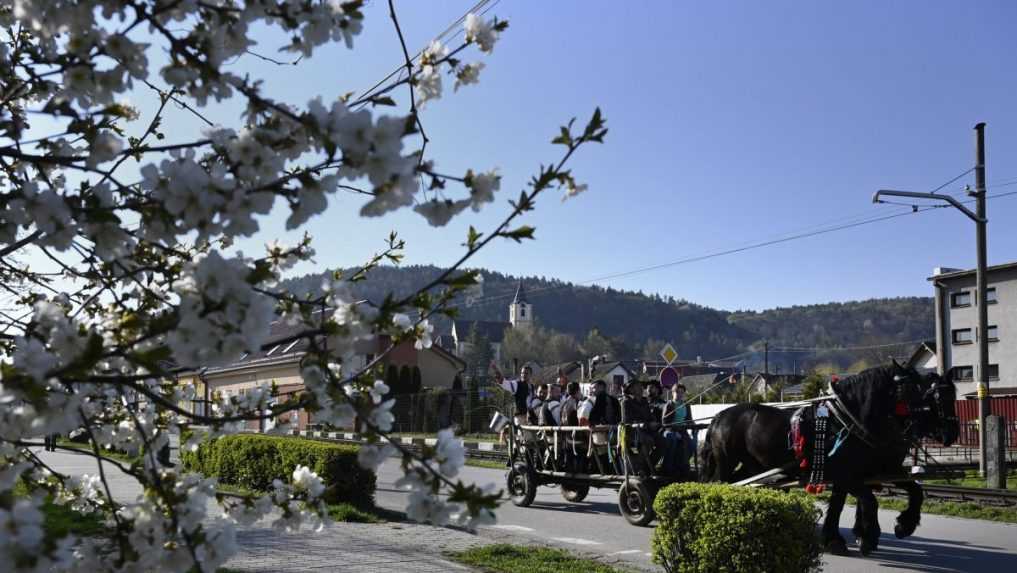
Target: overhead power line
[{"x": 912, "y": 210}]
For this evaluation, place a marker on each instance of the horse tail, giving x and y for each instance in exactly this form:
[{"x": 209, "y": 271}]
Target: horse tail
[{"x": 707, "y": 460}]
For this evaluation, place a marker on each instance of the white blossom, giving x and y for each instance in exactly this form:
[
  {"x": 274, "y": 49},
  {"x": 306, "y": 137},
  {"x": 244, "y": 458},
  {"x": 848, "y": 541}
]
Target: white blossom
[
  {"x": 572, "y": 189},
  {"x": 480, "y": 32},
  {"x": 450, "y": 453},
  {"x": 482, "y": 187},
  {"x": 424, "y": 339},
  {"x": 371, "y": 456},
  {"x": 439, "y": 213},
  {"x": 468, "y": 74},
  {"x": 306, "y": 480},
  {"x": 378, "y": 391}
]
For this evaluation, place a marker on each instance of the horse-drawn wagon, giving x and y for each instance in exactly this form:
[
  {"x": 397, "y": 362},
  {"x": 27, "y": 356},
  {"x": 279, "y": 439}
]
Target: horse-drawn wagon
[{"x": 578, "y": 458}]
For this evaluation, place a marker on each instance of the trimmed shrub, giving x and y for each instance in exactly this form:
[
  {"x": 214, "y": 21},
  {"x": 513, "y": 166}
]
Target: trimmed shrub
[
  {"x": 254, "y": 460},
  {"x": 720, "y": 527}
]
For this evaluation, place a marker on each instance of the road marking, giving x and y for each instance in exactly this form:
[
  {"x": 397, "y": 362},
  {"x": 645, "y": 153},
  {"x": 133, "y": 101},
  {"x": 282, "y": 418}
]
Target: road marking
[
  {"x": 576, "y": 541},
  {"x": 512, "y": 527},
  {"x": 626, "y": 552}
]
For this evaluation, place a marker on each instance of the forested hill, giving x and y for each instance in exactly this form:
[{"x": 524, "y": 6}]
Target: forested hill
[{"x": 636, "y": 317}]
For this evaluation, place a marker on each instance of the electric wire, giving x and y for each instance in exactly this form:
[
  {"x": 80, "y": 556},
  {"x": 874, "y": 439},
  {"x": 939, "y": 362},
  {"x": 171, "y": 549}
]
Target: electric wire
[{"x": 911, "y": 210}]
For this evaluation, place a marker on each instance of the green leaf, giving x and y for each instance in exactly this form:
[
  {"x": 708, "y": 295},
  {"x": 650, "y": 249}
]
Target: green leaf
[
  {"x": 520, "y": 233},
  {"x": 472, "y": 237}
]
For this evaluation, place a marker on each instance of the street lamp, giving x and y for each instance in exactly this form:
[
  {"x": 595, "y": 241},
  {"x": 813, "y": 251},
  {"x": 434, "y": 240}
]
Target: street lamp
[{"x": 984, "y": 406}]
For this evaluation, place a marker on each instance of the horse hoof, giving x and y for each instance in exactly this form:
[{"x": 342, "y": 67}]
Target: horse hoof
[
  {"x": 902, "y": 531},
  {"x": 836, "y": 547},
  {"x": 866, "y": 547}
]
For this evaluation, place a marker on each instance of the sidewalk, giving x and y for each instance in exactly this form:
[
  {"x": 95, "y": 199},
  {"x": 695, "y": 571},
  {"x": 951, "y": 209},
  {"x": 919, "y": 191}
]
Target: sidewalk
[{"x": 354, "y": 547}]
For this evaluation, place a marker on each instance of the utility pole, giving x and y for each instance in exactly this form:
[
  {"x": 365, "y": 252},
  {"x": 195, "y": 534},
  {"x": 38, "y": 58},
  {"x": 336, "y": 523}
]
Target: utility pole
[
  {"x": 766, "y": 357},
  {"x": 979, "y": 217},
  {"x": 984, "y": 406}
]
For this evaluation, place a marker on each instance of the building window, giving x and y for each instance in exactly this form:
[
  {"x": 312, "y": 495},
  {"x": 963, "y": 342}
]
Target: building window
[
  {"x": 960, "y": 299},
  {"x": 990, "y": 295},
  {"x": 993, "y": 371},
  {"x": 963, "y": 373},
  {"x": 993, "y": 333},
  {"x": 522, "y": 311},
  {"x": 619, "y": 379},
  {"x": 963, "y": 336}
]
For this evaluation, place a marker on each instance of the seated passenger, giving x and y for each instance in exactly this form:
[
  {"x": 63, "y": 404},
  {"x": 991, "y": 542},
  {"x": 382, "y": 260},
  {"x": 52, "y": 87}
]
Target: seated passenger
[
  {"x": 636, "y": 410},
  {"x": 655, "y": 400},
  {"x": 606, "y": 411},
  {"x": 575, "y": 441},
  {"x": 679, "y": 445},
  {"x": 535, "y": 404},
  {"x": 550, "y": 411}
]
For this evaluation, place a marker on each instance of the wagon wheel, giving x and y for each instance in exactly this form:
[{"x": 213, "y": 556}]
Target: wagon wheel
[
  {"x": 635, "y": 500},
  {"x": 574, "y": 492},
  {"x": 521, "y": 484}
]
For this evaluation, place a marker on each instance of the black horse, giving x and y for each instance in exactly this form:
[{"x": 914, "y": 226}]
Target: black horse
[{"x": 876, "y": 416}]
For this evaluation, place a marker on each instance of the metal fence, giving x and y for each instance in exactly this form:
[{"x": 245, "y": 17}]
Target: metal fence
[
  {"x": 969, "y": 434},
  {"x": 468, "y": 411}
]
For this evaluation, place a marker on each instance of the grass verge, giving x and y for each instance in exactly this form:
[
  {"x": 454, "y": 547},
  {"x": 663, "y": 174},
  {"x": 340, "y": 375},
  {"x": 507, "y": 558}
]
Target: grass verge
[
  {"x": 973, "y": 479},
  {"x": 504, "y": 558},
  {"x": 60, "y": 520},
  {"x": 124, "y": 458},
  {"x": 492, "y": 464}
]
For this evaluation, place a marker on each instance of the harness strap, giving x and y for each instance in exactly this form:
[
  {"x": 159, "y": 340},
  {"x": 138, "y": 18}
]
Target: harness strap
[{"x": 844, "y": 416}]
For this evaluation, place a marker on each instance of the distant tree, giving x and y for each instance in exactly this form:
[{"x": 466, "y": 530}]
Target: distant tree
[
  {"x": 478, "y": 355},
  {"x": 597, "y": 344},
  {"x": 813, "y": 385},
  {"x": 521, "y": 345},
  {"x": 858, "y": 365},
  {"x": 651, "y": 349},
  {"x": 560, "y": 348}
]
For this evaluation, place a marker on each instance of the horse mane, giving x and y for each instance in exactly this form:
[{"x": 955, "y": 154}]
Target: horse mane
[{"x": 870, "y": 394}]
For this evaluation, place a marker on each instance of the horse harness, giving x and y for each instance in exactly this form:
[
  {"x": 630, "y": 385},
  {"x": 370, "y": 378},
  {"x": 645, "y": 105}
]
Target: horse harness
[{"x": 826, "y": 416}]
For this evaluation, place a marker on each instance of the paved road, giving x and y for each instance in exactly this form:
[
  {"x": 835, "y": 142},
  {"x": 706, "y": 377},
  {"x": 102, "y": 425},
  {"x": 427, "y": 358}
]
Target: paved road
[{"x": 941, "y": 544}]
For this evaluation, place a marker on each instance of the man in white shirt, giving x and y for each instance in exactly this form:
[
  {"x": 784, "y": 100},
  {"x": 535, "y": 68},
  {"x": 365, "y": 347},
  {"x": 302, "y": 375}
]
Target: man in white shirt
[{"x": 521, "y": 390}]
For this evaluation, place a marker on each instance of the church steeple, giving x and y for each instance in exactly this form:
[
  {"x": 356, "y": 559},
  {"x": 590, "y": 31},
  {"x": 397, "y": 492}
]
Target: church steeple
[{"x": 520, "y": 311}]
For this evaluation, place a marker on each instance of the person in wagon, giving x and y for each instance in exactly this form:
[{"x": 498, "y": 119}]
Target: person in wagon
[
  {"x": 636, "y": 410},
  {"x": 521, "y": 391},
  {"x": 550, "y": 410},
  {"x": 679, "y": 446}
]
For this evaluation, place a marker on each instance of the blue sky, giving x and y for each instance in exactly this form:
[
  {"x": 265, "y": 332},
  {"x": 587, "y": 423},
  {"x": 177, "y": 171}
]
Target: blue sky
[{"x": 731, "y": 123}]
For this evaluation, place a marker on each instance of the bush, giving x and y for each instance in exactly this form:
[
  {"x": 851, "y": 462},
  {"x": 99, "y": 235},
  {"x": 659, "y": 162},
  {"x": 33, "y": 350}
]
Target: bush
[
  {"x": 252, "y": 461},
  {"x": 719, "y": 527}
]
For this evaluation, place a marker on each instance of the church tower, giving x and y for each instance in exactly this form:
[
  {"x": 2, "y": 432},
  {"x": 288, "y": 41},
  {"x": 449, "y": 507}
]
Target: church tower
[{"x": 520, "y": 311}]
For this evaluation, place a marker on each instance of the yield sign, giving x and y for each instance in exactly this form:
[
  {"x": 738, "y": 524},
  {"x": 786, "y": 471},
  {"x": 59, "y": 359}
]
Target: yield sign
[{"x": 669, "y": 354}]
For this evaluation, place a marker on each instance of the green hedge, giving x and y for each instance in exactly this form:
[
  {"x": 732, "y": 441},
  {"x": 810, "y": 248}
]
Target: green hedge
[
  {"x": 719, "y": 527},
  {"x": 253, "y": 461}
]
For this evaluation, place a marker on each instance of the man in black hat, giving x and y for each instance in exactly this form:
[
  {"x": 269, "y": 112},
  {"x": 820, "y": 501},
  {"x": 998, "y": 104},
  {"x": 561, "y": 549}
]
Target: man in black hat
[{"x": 636, "y": 410}]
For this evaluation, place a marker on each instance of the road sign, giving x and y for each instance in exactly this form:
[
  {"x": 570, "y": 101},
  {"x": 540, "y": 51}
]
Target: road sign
[
  {"x": 669, "y": 354},
  {"x": 668, "y": 377}
]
